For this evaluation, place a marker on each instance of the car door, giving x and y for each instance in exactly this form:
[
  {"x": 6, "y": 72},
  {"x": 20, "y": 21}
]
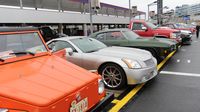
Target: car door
[
  {"x": 137, "y": 27},
  {"x": 90, "y": 61},
  {"x": 101, "y": 37},
  {"x": 58, "y": 46},
  {"x": 115, "y": 38}
]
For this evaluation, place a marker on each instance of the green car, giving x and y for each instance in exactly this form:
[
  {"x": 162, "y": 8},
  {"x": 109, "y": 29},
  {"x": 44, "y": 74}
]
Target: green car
[{"x": 159, "y": 48}]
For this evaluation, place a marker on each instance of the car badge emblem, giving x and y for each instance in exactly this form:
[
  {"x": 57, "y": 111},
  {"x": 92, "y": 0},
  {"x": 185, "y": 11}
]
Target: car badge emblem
[{"x": 78, "y": 96}]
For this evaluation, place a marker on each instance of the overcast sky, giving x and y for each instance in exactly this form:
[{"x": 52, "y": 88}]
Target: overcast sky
[{"x": 142, "y": 4}]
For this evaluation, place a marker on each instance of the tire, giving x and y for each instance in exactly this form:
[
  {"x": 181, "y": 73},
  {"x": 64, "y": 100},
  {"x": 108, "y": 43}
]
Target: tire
[{"x": 113, "y": 76}]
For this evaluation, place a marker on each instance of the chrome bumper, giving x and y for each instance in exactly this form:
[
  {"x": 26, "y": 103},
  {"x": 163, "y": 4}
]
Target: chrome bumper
[{"x": 137, "y": 76}]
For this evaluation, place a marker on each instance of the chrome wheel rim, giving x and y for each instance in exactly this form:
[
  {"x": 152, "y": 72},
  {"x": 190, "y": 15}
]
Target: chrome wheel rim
[{"x": 112, "y": 76}]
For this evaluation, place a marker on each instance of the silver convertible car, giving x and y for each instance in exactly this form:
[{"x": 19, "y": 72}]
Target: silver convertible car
[{"x": 118, "y": 66}]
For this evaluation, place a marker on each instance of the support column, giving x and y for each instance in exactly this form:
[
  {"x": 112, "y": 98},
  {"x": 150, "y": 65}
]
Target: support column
[
  {"x": 124, "y": 13},
  {"x": 35, "y": 2},
  {"x": 98, "y": 27},
  {"x": 159, "y": 11},
  {"x": 59, "y": 5},
  {"x": 60, "y": 28},
  {"x": 109, "y": 27},
  {"x": 85, "y": 29},
  {"x": 107, "y": 12},
  {"x": 84, "y": 10},
  {"x": 115, "y": 25},
  {"x": 101, "y": 26},
  {"x": 125, "y": 25},
  {"x": 21, "y": 4},
  {"x": 130, "y": 10},
  {"x": 118, "y": 26},
  {"x": 91, "y": 19}
]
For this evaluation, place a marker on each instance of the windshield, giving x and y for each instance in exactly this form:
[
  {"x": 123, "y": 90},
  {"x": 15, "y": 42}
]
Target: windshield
[
  {"x": 151, "y": 25},
  {"x": 14, "y": 44},
  {"x": 180, "y": 26},
  {"x": 177, "y": 25},
  {"x": 88, "y": 44},
  {"x": 131, "y": 35}
]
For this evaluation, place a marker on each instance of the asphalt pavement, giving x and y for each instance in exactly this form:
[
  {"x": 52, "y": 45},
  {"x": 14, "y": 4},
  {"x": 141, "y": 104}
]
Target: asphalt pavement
[
  {"x": 186, "y": 60},
  {"x": 176, "y": 88}
]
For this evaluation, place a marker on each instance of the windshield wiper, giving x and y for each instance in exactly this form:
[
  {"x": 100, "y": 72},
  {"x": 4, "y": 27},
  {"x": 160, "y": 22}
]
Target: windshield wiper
[
  {"x": 23, "y": 52},
  {"x": 2, "y": 60}
]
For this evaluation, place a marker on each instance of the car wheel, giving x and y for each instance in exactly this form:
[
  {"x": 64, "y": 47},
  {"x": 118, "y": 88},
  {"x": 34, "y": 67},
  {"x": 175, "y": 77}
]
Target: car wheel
[{"x": 113, "y": 76}]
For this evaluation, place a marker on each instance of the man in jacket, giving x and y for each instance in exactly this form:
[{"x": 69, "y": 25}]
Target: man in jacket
[{"x": 197, "y": 29}]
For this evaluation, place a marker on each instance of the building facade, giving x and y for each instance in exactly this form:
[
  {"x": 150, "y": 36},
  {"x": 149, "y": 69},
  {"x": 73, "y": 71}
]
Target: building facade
[
  {"x": 194, "y": 9},
  {"x": 187, "y": 10},
  {"x": 181, "y": 11}
]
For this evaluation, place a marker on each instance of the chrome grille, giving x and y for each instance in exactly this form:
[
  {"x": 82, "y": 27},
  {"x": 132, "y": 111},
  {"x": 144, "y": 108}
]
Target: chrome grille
[
  {"x": 178, "y": 34},
  {"x": 173, "y": 47},
  {"x": 149, "y": 63}
]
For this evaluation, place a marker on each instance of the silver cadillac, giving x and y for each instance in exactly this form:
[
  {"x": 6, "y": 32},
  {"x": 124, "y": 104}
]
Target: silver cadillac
[{"x": 118, "y": 66}]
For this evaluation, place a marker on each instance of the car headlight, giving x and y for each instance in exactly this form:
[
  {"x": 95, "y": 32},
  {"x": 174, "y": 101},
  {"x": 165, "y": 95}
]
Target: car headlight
[
  {"x": 173, "y": 35},
  {"x": 3, "y": 110},
  {"x": 10, "y": 110},
  {"x": 101, "y": 86},
  {"x": 131, "y": 63}
]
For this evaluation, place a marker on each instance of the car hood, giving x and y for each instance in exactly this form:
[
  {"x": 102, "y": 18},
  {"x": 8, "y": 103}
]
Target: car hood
[
  {"x": 124, "y": 52},
  {"x": 166, "y": 40},
  {"x": 164, "y": 30},
  {"x": 155, "y": 41},
  {"x": 186, "y": 31},
  {"x": 43, "y": 80}
]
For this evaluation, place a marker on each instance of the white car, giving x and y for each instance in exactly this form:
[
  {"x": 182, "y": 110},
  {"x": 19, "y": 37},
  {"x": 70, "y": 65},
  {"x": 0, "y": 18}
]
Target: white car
[{"x": 118, "y": 66}]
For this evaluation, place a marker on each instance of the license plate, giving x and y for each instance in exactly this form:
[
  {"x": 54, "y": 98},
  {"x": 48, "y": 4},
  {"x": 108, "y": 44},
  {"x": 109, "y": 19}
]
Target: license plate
[
  {"x": 81, "y": 106},
  {"x": 151, "y": 74}
]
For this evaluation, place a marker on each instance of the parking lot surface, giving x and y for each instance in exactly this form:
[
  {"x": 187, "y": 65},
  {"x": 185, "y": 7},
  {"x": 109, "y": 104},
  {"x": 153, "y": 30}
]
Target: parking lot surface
[
  {"x": 186, "y": 60},
  {"x": 167, "y": 93}
]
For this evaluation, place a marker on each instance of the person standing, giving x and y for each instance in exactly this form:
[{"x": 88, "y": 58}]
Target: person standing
[{"x": 197, "y": 29}]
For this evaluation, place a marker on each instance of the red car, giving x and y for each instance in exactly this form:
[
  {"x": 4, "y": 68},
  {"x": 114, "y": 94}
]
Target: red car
[
  {"x": 179, "y": 26},
  {"x": 147, "y": 29}
]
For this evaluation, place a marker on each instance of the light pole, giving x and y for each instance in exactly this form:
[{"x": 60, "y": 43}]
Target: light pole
[
  {"x": 91, "y": 22},
  {"x": 130, "y": 10},
  {"x": 21, "y": 4},
  {"x": 151, "y": 4},
  {"x": 160, "y": 15}
]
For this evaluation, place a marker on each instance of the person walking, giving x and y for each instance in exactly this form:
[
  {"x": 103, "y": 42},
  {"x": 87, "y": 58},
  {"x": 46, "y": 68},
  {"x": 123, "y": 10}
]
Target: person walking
[{"x": 197, "y": 29}]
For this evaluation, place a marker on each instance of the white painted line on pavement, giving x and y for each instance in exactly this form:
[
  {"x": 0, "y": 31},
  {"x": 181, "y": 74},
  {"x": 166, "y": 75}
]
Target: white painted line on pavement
[
  {"x": 180, "y": 73},
  {"x": 189, "y": 61},
  {"x": 183, "y": 50}
]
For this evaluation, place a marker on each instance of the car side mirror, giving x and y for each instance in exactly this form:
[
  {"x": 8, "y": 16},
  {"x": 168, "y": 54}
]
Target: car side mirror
[
  {"x": 69, "y": 51},
  {"x": 144, "y": 28}
]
